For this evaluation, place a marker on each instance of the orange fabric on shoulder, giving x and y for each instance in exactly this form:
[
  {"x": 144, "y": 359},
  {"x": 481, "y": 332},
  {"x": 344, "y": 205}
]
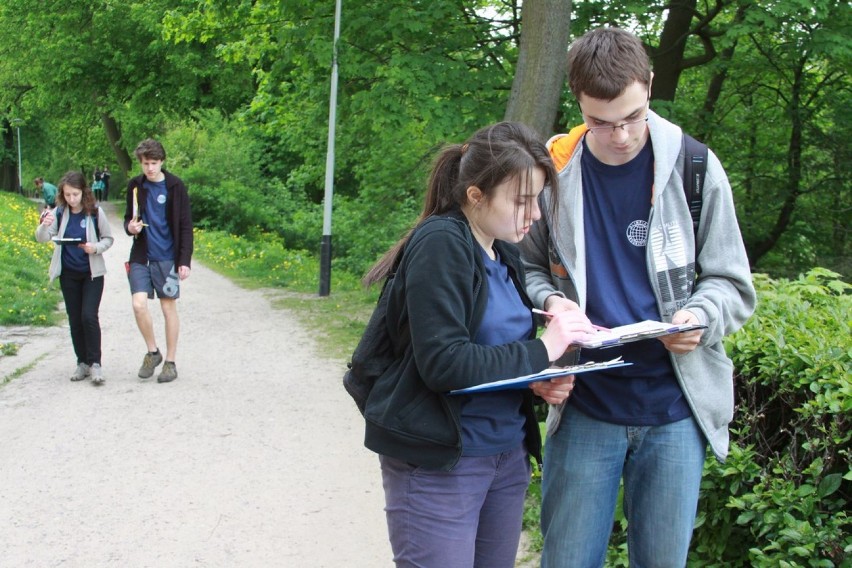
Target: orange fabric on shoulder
[{"x": 562, "y": 146}]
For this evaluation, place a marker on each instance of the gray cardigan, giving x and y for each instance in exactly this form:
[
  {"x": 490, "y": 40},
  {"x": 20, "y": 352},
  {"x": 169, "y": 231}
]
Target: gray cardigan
[
  {"x": 722, "y": 297},
  {"x": 97, "y": 265}
]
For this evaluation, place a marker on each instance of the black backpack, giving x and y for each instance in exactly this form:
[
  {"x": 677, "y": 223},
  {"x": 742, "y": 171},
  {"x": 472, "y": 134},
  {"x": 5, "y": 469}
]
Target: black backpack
[
  {"x": 694, "y": 170},
  {"x": 374, "y": 352}
]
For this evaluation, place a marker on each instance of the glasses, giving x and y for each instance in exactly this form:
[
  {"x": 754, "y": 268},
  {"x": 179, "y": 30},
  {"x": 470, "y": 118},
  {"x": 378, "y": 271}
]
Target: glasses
[{"x": 610, "y": 130}]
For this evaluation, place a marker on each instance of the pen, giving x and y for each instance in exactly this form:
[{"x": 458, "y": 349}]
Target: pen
[
  {"x": 543, "y": 313},
  {"x": 551, "y": 315}
]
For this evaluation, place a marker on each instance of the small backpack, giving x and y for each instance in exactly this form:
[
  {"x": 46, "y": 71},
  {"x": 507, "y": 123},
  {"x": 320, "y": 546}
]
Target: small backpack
[{"x": 374, "y": 353}]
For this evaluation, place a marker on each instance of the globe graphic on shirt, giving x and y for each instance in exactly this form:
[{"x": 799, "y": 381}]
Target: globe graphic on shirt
[{"x": 637, "y": 233}]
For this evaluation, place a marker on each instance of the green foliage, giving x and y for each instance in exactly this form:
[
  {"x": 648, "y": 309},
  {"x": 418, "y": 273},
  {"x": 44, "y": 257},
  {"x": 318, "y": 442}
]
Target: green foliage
[
  {"x": 412, "y": 76},
  {"x": 64, "y": 71},
  {"x": 784, "y": 492},
  {"x": 8, "y": 349},
  {"x": 25, "y": 296},
  {"x": 261, "y": 260},
  {"x": 217, "y": 157}
]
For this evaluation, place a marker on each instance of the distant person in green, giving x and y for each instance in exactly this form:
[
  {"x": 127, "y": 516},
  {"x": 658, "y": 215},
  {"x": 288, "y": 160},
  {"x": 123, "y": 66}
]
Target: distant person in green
[
  {"x": 105, "y": 175},
  {"x": 48, "y": 191},
  {"x": 158, "y": 217}
]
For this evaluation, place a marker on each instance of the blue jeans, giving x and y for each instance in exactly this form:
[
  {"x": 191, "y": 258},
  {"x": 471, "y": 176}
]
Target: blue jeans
[
  {"x": 468, "y": 517},
  {"x": 584, "y": 462}
]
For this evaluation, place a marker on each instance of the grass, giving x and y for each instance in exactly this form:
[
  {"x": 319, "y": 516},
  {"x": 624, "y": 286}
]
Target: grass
[
  {"x": 18, "y": 372},
  {"x": 7, "y": 349},
  {"x": 25, "y": 296}
]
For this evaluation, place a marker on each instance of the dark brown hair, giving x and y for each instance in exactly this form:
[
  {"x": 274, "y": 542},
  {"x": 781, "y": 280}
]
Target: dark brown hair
[
  {"x": 491, "y": 156},
  {"x": 604, "y": 62},
  {"x": 150, "y": 149},
  {"x": 77, "y": 180}
]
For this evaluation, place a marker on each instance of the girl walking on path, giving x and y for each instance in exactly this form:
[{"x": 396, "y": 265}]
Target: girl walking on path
[{"x": 82, "y": 233}]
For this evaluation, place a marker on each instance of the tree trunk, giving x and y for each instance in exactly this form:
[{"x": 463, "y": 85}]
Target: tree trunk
[
  {"x": 668, "y": 57},
  {"x": 113, "y": 134},
  {"x": 540, "y": 73},
  {"x": 714, "y": 89}
]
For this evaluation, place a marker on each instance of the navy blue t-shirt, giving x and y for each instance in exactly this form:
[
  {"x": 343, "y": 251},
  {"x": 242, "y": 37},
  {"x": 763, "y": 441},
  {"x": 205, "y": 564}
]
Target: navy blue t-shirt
[
  {"x": 74, "y": 258},
  {"x": 492, "y": 422},
  {"x": 616, "y": 209},
  {"x": 161, "y": 245}
]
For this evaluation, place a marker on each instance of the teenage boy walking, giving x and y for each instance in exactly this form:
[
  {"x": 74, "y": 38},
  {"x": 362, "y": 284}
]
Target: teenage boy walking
[
  {"x": 158, "y": 217},
  {"x": 624, "y": 250}
]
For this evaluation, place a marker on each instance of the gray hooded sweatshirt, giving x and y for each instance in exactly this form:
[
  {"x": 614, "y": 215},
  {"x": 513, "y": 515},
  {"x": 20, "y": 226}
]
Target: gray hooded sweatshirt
[
  {"x": 97, "y": 266},
  {"x": 722, "y": 297}
]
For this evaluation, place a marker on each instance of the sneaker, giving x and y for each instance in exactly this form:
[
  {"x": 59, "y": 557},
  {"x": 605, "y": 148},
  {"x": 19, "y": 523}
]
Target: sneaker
[
  {"x": 97, "y": 374},
  {"x": 149, "y": 363},
  {"x": 168, "y": 374},
  {"x": 81, "y": 372}
]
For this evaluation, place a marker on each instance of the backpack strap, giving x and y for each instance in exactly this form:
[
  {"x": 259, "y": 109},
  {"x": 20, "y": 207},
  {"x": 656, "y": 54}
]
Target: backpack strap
[
  {"x": 97, "y": 225},
  {"x": 562, "y": 146},
  {"x": 694, "y": 172}
]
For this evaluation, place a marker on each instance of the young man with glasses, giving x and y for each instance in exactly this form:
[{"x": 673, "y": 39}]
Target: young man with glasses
[{"x": 624, "y": 251}]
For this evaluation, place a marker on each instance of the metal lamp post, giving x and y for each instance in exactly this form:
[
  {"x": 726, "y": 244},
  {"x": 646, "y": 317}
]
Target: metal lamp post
[
  {"x": 17, "y": 122},
  {"x": 325, "y": 250}
]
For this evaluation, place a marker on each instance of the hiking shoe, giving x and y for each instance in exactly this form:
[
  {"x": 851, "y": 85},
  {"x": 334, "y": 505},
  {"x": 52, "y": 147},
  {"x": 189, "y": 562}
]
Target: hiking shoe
[
  {"x": 149, "y": 363},
  {"x": 97, "y": 374},
  {"x": 168, "y": 374},
  {"x": 81, "y": 372}
]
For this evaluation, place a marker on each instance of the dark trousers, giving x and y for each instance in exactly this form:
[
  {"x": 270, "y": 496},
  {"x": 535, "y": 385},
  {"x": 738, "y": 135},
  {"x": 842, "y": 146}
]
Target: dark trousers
[
  {"x": 469, "y": 517},
  {"x": 82, "y": 295}
]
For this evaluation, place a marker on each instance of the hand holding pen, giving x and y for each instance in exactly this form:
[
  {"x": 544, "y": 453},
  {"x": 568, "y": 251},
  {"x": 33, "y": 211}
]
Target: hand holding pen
[
  {"x": 564, "y": 329},
  {"x": 134, "y": 227},
  {"x": 552, "y": 315}
]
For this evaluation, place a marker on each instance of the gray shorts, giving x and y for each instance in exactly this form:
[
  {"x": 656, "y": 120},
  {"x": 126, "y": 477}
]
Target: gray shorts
[{"x": 156, "y": 275}]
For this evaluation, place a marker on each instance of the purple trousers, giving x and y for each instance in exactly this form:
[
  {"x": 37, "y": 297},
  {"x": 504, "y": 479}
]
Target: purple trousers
[{"x": 468, "y": 517}]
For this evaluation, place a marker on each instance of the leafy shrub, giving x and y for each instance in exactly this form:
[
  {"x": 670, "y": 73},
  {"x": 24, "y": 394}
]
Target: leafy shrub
[{"x": 781, "y": 498}]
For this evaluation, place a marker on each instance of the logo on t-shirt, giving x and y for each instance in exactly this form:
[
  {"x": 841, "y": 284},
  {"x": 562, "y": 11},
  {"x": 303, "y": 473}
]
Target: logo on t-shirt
[
  {"x": 161, "y": 198},
  {"x": 637, "y": 233}
]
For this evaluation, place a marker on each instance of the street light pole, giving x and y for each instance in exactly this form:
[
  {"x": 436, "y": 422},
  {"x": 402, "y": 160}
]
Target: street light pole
[
  {"x": 17, "y": 122},
  {"x": 325, "y": 248},
  {"x": 20, "y": 177}
]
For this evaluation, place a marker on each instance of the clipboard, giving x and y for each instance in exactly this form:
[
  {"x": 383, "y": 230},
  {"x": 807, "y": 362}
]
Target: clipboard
[
  {"x": 66, "y": 241},
  {"x": 551, "y": 373},
  {"x": 647, "y": 329}
]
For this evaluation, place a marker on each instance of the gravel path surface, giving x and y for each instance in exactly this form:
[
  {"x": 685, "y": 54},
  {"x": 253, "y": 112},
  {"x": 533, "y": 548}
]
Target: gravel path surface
[{"x": 252, "y": 458}]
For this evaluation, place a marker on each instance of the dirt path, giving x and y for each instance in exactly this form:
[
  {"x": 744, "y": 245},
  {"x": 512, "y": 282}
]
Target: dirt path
[{"x": 252, "y": 458}]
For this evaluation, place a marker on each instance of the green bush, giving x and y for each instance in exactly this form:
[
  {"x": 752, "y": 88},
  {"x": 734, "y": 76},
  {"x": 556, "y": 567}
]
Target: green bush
[{"x": 781, "y": 498}]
